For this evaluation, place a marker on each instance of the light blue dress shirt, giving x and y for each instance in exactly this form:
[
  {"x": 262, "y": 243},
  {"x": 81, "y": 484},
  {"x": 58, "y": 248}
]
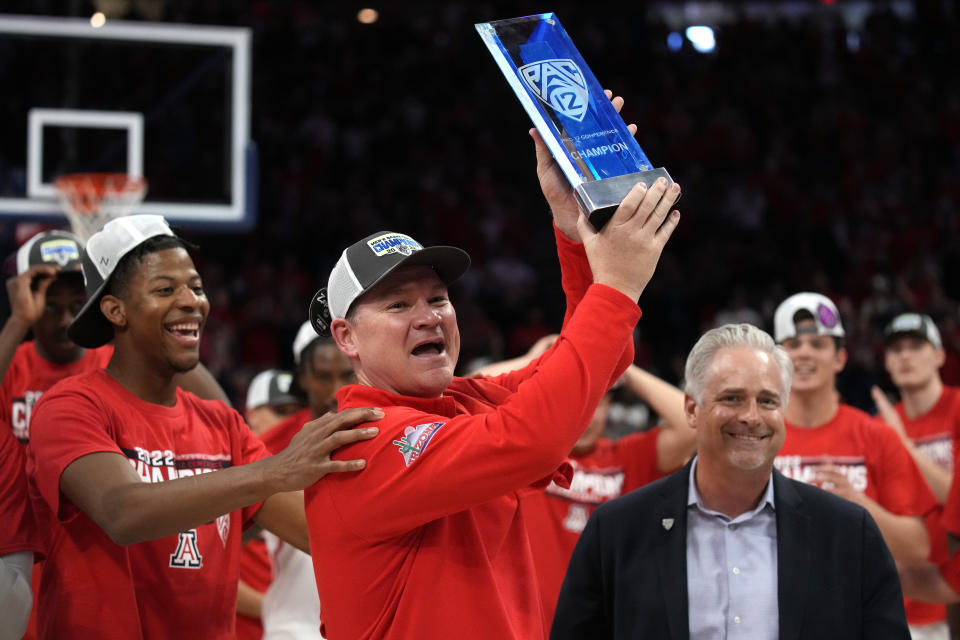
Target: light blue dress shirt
[{"x": 732, "y": 570}]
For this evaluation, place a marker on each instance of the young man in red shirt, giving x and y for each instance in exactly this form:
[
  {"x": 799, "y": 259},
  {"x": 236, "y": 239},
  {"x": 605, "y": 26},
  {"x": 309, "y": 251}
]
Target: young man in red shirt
[
  {"x": 839, "y": 447},
  {"x": 927, "y": 420},
  {"x": 431, "y": 540},
  {"x": 45, "y": 295},
  {"x": 145, "y": 540}
]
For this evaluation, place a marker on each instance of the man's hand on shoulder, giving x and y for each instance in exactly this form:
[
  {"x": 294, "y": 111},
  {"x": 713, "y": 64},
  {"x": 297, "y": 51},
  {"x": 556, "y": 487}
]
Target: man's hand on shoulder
[{"x": 308, "y": 456}]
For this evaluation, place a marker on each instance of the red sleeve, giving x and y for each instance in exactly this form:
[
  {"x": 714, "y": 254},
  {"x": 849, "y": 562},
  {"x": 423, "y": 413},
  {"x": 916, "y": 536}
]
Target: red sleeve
[
  {"x": 575, "y": 278},
  {"x": 52, "y": 447},
  {"x": 422, "y": 467},
  {"x": 902, "y": 490},
  {"x": 19, "y": 530},
  {"x": 251, "y": 450}
]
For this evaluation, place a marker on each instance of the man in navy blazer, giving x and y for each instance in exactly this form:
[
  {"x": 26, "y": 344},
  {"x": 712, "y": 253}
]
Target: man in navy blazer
[{"x": 727, "y": 547}]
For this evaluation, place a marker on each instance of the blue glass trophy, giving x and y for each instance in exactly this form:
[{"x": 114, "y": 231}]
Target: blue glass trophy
[{"x": 584, "y": 132}]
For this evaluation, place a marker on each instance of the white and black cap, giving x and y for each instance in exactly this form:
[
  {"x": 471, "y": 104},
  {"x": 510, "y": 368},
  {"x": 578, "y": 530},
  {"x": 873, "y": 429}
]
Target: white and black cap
[
  {"x": 271, "y": 388},
  {"x": 104, "y": 251},
  {"x": 913, "y": 324},
  {"x": 305, "y": 335},
  {"x": 365, "y": 263},
  {"x": 55, "y": 248},
  {"x": 818, "y": 307}
]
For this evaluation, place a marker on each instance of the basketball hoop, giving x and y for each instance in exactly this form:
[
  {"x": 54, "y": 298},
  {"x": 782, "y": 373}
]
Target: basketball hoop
[{"x": 91, "y": 200}]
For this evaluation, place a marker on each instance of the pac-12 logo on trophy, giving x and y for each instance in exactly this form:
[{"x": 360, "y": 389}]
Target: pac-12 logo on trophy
[{"x": 559, "y": 84}]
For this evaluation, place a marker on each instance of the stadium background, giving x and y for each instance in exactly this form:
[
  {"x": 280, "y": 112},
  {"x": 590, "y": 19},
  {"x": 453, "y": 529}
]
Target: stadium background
[{"x": 818, "y": 146}]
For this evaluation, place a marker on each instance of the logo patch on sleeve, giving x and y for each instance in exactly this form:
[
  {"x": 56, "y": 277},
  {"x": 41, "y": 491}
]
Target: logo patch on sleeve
[{"x": 415, "y": 440}]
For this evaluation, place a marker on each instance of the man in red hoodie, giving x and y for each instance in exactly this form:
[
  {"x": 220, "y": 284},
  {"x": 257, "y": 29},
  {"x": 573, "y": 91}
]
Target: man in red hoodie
[{"x": 431, "y": 541}]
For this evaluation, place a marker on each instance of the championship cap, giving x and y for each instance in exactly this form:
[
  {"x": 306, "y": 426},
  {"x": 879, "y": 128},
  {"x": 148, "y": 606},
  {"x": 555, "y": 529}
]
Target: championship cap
[
  {"x": 913, "y": 324},
  {"x": 271, "y": 387},
  {"x": 56, "y": 248},
  {"x": 305, "y": 336},
  {"x": 365, "y": 263},
  {"x": 104, "y": 251},
  {"x": 820, "y": 307}
]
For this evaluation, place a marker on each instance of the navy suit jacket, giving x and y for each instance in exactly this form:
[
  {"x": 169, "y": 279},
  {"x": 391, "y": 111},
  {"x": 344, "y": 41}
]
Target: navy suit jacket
[{"x": 628, "y": 574}]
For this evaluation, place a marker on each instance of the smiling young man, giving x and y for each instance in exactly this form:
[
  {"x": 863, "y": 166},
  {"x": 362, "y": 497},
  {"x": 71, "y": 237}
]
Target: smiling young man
[
  {"x": 147, "y": 487},
  {"x": 727, "y": 547},
  {"x": 839, "y": 447},
  {"x": 431, "y": 540}
]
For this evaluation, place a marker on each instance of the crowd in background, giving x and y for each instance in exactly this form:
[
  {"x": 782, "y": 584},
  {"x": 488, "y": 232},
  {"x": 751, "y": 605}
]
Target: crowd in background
[{"x": 812, "y": 156}]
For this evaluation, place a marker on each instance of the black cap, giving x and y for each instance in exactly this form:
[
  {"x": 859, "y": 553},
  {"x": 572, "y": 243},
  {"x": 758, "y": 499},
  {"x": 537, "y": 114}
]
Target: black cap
[{"x": 365, "y": 263}]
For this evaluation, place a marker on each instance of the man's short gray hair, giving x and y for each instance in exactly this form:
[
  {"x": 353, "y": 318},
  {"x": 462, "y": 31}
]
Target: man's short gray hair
[{"x": 733, "y": 336}]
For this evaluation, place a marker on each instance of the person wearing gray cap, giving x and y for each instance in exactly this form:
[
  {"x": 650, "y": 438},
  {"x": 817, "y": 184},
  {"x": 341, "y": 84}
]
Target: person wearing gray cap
[
  {"x": 270, "y": 399},
  {"x": 926, "y": 419},
  {"x": 149, "y": 488},
  {"x": 430, "y": 541},
  {"x": 837, "y": 446}
]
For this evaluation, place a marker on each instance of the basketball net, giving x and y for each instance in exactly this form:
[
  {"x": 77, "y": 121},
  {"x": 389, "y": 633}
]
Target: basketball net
[{"x": 91, "y": 200}]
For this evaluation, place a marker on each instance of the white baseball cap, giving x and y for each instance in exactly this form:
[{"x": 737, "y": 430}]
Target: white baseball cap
[
  {"x": 104, "y": 251},
  {"x": 305, "y": 335},
  {"x": 820, "y": 307},
  {"x": 913, "y": 324}
]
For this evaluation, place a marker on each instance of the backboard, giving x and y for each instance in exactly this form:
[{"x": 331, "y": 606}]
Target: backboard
[{"x": 170, "y": 102}]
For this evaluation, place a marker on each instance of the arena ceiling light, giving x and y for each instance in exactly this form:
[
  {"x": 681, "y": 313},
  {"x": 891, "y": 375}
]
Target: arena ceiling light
[{"x": 702, "y": 38}]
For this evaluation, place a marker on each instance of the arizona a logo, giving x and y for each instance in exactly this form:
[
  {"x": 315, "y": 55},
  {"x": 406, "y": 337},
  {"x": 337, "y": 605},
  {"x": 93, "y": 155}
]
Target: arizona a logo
[
  {"x": 187, "y": 555},
  {"x": 559, "y": 84}
]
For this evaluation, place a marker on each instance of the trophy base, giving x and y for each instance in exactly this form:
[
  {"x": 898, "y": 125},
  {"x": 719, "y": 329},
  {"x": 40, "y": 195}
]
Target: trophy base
[{"x": 600, "y": 198}]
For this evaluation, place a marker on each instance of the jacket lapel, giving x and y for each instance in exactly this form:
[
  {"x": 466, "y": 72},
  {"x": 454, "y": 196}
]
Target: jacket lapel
[
  {"x": 671, "y": 522},
  {"x": 793, "y": 557}
]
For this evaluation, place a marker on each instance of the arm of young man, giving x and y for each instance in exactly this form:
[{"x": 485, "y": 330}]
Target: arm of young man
[
  {"x": 937, "y": 477},
  {"x": 676, "y": 441},
  {"x": 906, "y": 535},
  {"x": 107, "y": 488},
  {"x": 26, "y": 307}
]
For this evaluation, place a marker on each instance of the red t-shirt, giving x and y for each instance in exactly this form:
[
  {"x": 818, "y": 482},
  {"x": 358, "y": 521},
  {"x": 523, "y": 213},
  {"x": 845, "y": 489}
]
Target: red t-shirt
[
  {"x": 279, "y": 435},
  {"x": 933, "y": 434},
  {"x": 871, "y": 455},
  {"x": 30, "y": 375},
  {"x": 557, "y": 515},
  {"x": 874, "y": 460},
  {"x": 430, "y": 540},
  {"x": 180, "y": 586},
  {"x": 18, "y": 531}
]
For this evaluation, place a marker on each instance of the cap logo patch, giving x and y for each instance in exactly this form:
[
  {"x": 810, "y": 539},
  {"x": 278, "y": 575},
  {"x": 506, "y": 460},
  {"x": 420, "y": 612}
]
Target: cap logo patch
[
  {"x": 284, "y": 380},
  {"x": 59, "y": 251},
  {"x": 911, "y": 322},
  {"x": 393, "y": 243},
  {"x": 415, "y": 440},
  {"x": 826, "y": 316}
]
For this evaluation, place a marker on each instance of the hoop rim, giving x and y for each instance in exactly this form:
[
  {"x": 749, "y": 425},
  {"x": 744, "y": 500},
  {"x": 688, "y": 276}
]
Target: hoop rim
[{"x": 99, "y": 183}]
